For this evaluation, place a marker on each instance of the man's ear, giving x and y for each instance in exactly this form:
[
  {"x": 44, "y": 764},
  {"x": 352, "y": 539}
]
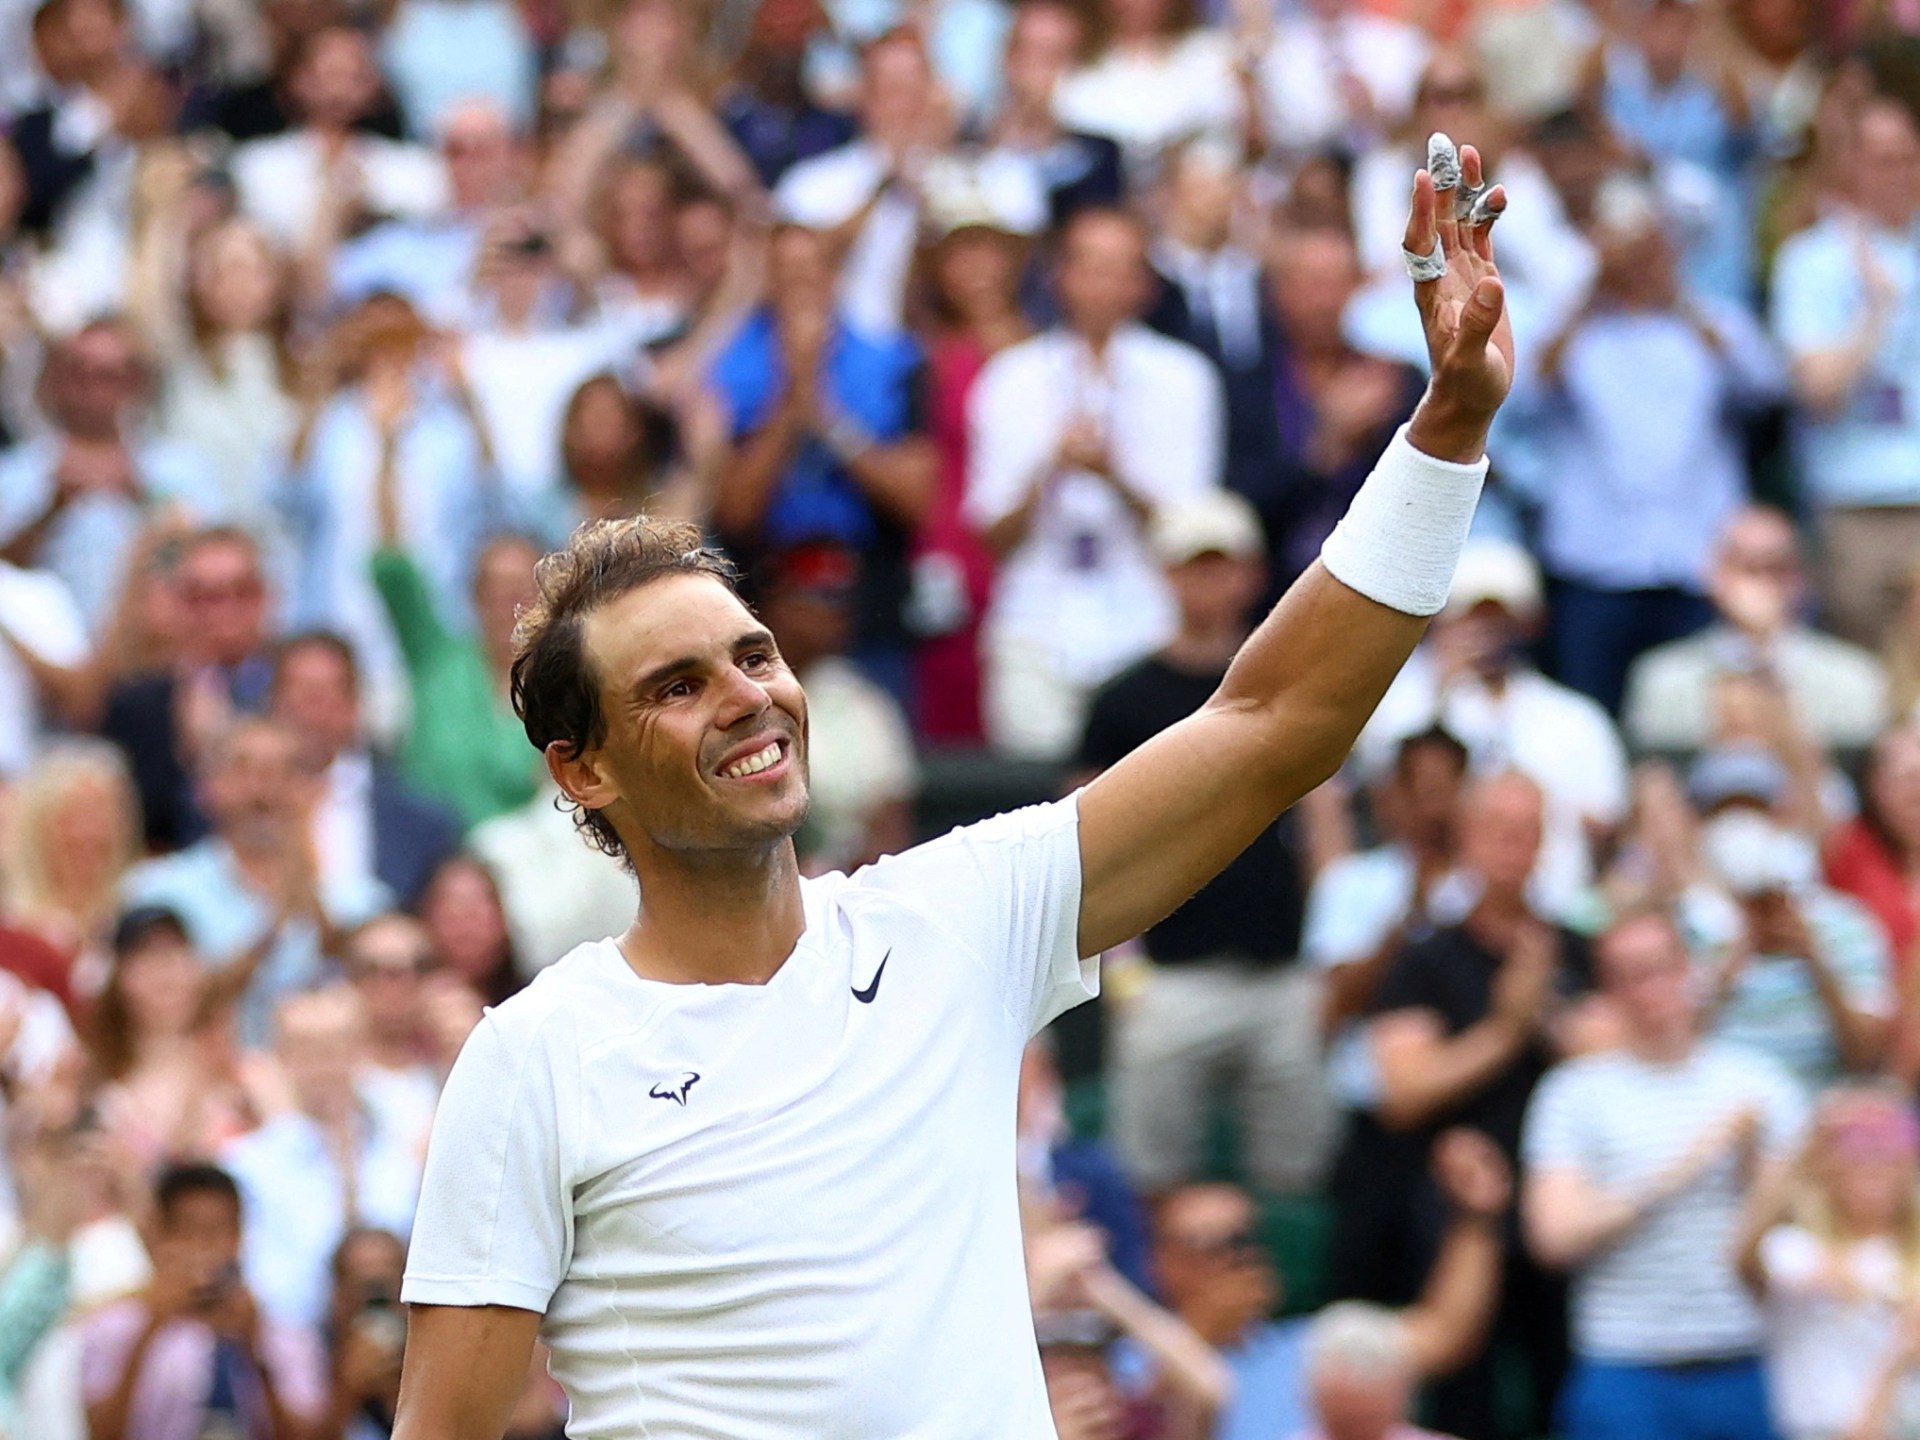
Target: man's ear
[{"x": 579, "y": 777}]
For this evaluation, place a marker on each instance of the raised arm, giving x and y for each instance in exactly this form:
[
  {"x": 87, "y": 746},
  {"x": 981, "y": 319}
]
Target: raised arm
[
  {"x": 1164, "y": 821},
  {"x": 465, "y": 1368}
]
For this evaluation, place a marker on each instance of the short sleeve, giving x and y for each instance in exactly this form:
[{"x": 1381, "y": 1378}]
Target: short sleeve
[
  {"x": 1012, "y": 429},
  {"x": 1008, "y": 890},
  {"x": 495, "y": 1222},
  {"x": 106, "y": 1339},
  {"x": 1551, "y": 1138},
  {"x": 1815, "y": 300}
]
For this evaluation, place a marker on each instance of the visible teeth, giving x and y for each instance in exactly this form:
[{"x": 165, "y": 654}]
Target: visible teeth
[{"x": 754, "y": 763}]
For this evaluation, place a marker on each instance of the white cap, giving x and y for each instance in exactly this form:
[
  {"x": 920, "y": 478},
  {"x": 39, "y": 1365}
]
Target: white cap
[
  {"x": 1218, "y": 522},
  {"x": 1497, "y": 571}
]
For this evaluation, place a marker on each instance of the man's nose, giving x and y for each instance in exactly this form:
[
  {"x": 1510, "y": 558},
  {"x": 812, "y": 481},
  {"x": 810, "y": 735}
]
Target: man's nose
[{"x": 740, "y": 697}]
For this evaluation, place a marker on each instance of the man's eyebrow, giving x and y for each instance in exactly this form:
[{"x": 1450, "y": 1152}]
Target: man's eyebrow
[{"x": 660, "y": 674}]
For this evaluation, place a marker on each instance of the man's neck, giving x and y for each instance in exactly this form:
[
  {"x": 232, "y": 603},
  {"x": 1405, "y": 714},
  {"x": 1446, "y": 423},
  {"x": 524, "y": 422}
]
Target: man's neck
[
  {"x": 1027, "y": 125},
  {"x": 1095, "y": 338},
  {"x": 1660, "y": 1048},
  {"x": 717, "y": 918},
  {"x": 396, "y": 1049}
]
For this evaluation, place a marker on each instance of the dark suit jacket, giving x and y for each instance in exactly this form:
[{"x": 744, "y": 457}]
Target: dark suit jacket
[{"x": 412, "y": 835}]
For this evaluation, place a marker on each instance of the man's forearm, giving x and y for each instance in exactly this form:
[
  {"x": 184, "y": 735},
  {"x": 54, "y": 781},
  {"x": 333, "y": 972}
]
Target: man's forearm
[
  {"x": 1418, "y": 1087},
  {"x": 1448, "y": 1324}
]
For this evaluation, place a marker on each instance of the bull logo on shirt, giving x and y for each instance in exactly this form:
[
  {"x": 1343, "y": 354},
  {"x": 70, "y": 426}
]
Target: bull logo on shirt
[{"x": 676, "y": 1091}]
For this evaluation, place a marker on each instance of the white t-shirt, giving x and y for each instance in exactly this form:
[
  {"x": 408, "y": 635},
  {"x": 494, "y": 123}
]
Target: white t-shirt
[
  {"x": 1832, "y": 1322},
  {"x": 1666, "y": 1291},
  {"x": 1082, "y": 588},
  {"x": 770, "y": 1212}
]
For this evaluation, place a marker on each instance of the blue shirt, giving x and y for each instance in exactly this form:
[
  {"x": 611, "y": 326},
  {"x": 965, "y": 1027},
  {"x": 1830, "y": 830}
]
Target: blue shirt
[
  {"x": 89, "y": 544},
  {"x": 225, "y": 917},
  {"x": 1869, "y": 452},
  {"x": 1641, "y": 460},
  {"x": 1269, "y": 1366},
  {"x": 427, "y": 261},
  {"x": 439, "y": 52}
]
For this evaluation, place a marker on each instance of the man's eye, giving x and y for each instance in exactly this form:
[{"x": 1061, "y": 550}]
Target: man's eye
[
  {"x": 678, "y": 690},
  {"x": 756, "y": 660}
]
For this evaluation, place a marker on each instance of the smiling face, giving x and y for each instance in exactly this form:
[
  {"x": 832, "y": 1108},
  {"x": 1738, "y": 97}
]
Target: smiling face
[{"x": 705, "y": 741}]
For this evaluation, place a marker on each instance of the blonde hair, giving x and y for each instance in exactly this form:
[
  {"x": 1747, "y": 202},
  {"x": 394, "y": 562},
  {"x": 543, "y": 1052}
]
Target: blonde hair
[
  {"x": 1810, "y": 1190},
  {"x": 63, "y": 769}
]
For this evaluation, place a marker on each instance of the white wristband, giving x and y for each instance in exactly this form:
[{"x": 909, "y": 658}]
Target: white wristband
[{"x": 1403, "y": 534}]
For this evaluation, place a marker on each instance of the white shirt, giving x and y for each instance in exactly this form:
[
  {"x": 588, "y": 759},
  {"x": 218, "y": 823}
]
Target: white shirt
[
  {"x": 1833, "y": 1319},
  {"x": 1146, "y": 102},
  {"x": 37, "y": 612},
  {"x": 859, "y": 758},
  {"x": 1555, "y": 736},
  {"x": 774, "y": 1212},
  {"x": 280, "y": 178},
  {"x": 830, "y": 189},
  {"x": 1300, "y": 94},
  {"x": 522, "y": 382},
  {"x": 343, "y": 821},
  {"x": 1082, "y": 587},
  {"x": 558, "y": 892},
  {"x": 1666, "y": 1291}
]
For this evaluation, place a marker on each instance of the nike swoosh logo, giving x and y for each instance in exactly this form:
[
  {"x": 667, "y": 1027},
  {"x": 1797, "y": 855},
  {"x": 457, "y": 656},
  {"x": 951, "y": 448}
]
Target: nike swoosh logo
[{"x": 865, "y": 997}]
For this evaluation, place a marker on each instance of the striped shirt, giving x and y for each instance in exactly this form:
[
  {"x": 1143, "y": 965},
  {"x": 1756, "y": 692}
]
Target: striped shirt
[{"x": 1666, "y": 1291}]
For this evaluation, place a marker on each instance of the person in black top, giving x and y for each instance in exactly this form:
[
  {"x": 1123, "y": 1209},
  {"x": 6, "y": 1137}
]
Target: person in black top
[
  {"x": 1463, "y": 1026},
  {"x": 1226, "y": 1009}
]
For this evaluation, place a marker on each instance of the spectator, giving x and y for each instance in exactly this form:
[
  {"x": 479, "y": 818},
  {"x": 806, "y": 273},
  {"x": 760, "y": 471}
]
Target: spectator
[
  {"x": 36, "y": 1276},
  {"x": 1227, "y": 1008},
  {"x": 869, "y": 192},
  {"x": 554, "y": 892},
  {"x": 1639, "y": 1162},
  {"x": 1829, "y": 1255},
  {"x": 439, "y": 54},
  {"x": 465, "y": 746},
  {"x": 369, "y": 827},
  {"x": 1363, "y": 909},
  {"x": 251, "y": 894},
  {"x": 828, "y": 428},
  {"x": 326, "y": 175},
  {"x": 1758, "y": 591},
  {"x": 1079, "y": 434},
  {"x": 1472, "y": 677},
  {"x": 615, "y": 460},
  {"x": 1698, "y": 130},
  {"x": 216, "y": 305},
  {"x": 431, "y": 258},
  {"x": 327, "y": 1163},
  {"x": 1069, "y": 1175},
  {"x": 193, "y": 1352},
  {"x": 467, "y": 928},
  {"x": 861, "y": 771},
  {"x": 1845, "y": 297},
  {"x": 1463, "y": 1026},
  {"x": 1362, "y": 1375},
  {"x": 1337, "y": 76},
  {"x": 1219, "y": 1279},
  {"x": 366, "y": 1332},
  {"x": 163, "y": 721},
  {"x": 75, "y": 829},
  {"x": 1152, "y": 74},
  {"x": 1873, "y": 857},
  {"x": 171, "y": 1087},
  {"x": 393, "y": 421},
  {"x": 1802, "y": 974},
  {"x": 642, "y": 296},
  {"x": 975, "y": 266},
  {"x": 1640, "y": 394},
  {"x": 386, "y": 960},
  {"x": 770, "y": 111},
  {"x": 1077, "y": 170},
  {"x": 73, "y": 500},
  {"x": 1330, "y": 409}
]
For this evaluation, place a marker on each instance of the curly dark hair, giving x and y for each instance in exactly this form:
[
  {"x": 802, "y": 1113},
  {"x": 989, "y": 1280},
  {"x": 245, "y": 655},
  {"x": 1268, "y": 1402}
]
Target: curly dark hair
[{"x": 555, "y": 691}]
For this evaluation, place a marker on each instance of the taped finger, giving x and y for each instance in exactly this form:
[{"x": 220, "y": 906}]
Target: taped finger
[
  {"x": 1422, "y": 268},
  {"x": 1443, "y": 161},
  {"x": 1467, "y": 199}
]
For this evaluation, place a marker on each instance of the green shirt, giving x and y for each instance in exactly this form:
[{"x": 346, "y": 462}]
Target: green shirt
[{"x": 465, "y": 745}]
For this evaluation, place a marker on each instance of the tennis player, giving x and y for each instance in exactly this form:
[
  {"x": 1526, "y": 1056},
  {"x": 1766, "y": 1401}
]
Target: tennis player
[{"x": 748, "y": 1169}]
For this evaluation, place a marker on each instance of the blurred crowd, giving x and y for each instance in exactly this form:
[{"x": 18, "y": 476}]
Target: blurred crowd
[{"x": 1549, "y": 1071}]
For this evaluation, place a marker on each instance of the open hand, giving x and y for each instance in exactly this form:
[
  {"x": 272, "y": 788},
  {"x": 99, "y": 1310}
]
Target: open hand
[
  {"x": 1474, "y": 1174},
  {"x": 1464, "y": 313}
]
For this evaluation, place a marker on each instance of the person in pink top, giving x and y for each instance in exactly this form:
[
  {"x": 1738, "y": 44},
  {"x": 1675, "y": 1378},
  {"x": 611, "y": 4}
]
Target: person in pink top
[
  {"x": 190, "y": 1357},
  {"x": 1362, "y": 1375}
]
